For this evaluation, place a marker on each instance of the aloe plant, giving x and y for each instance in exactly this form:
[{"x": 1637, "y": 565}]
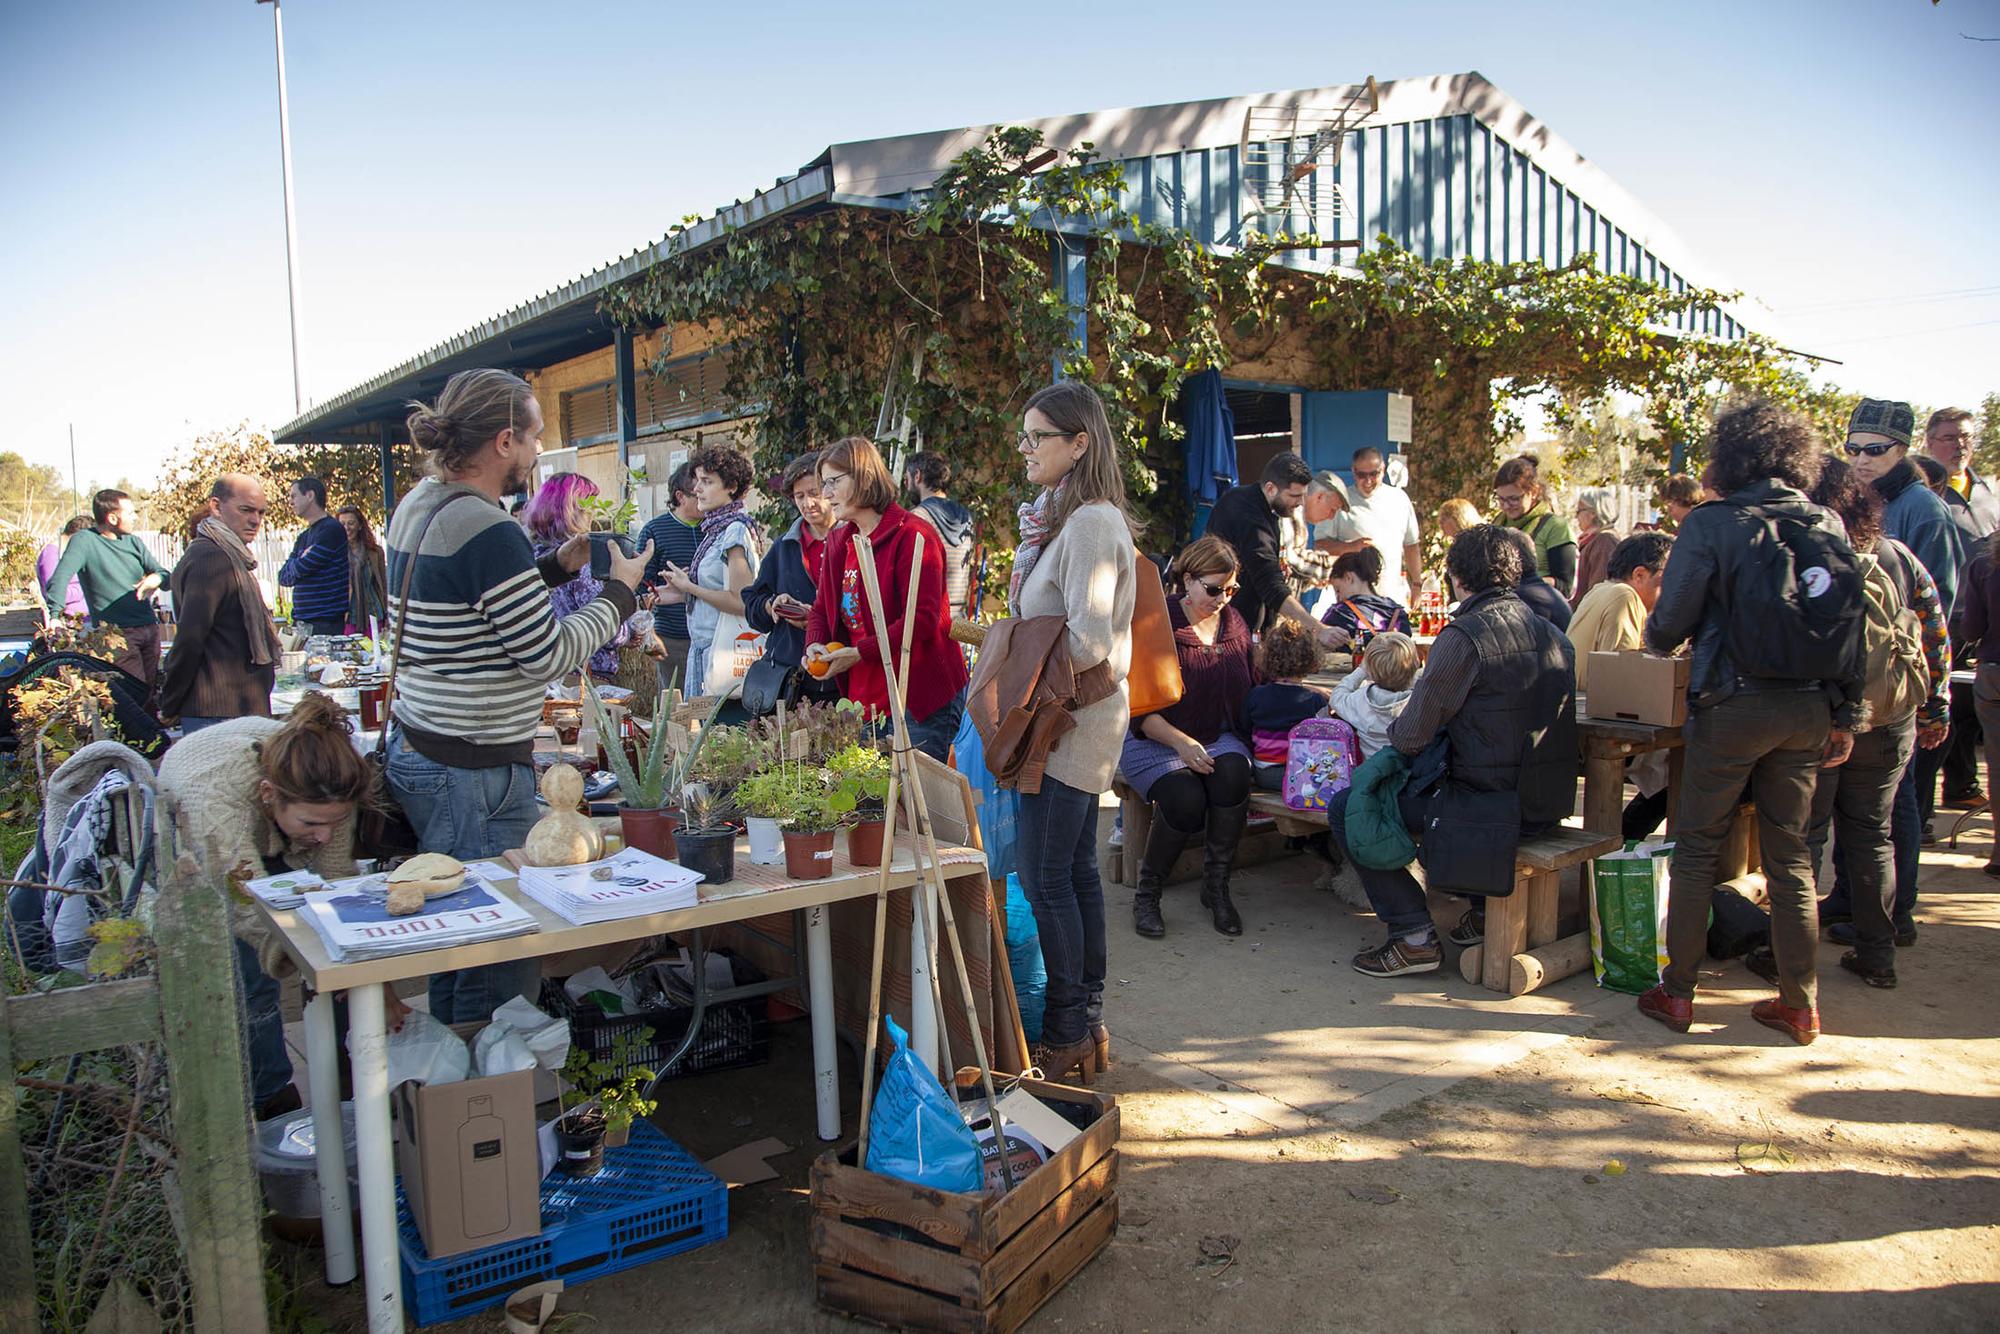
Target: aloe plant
[{"x": 661, "y": 772}]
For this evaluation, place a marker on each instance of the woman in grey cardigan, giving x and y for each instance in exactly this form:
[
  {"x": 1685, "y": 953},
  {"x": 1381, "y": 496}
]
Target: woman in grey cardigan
[{"x": 1074, "y": 561}]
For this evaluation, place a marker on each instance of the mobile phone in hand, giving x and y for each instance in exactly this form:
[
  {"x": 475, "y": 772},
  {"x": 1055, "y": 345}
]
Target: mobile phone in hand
[{"x": 600, "y": 552}]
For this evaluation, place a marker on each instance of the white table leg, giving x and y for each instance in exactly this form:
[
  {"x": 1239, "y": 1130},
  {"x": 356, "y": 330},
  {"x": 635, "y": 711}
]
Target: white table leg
[
  {"x": 923, "y": 960},
  {"x": 329, "y": 1138},
  {"x": 368, "y": 1054},
  {"x": 819, "y": 991}
]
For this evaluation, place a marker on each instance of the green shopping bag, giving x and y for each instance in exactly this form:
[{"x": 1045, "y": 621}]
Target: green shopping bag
[{"x": 1628, "y": 916}]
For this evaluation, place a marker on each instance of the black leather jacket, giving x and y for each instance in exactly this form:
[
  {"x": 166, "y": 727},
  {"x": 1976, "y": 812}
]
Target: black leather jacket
[{"x": 1711, "y": 542}]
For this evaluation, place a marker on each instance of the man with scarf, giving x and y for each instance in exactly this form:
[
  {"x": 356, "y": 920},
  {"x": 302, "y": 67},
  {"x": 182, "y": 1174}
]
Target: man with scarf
[{"x": 226, "y": 649}]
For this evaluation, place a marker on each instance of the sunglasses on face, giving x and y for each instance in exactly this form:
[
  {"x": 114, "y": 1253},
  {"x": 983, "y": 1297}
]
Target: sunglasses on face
[
  {"x": 1872, "y": 451},
  {"x": 1361, "y": 476},
  {"x": 1217, "y": 590}
]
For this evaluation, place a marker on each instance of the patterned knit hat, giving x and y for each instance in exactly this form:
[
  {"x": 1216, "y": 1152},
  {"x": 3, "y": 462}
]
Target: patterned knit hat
[{"x": 1879, "y": 416}]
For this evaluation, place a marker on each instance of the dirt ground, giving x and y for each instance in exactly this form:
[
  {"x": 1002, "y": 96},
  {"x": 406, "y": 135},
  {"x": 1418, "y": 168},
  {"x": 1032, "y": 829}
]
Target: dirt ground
[{"x": 1422, "y": 1155}]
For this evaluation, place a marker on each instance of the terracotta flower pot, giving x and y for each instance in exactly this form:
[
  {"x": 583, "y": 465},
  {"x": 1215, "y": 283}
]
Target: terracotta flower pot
[
  {"x": 649, "y": 830},
  {"x": 864, "y": 843},
  {"x": 808, "y": 856}
]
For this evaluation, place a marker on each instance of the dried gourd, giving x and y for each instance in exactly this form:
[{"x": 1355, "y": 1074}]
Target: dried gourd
[{"x": 563, "y": 837}]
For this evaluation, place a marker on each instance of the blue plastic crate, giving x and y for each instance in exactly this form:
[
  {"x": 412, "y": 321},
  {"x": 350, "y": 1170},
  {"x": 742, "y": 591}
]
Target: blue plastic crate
[{"x": 648, "y": 1201}]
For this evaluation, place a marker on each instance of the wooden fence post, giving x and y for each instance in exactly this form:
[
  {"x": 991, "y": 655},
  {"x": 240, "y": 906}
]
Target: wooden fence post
[
  {"x": 205, "y": 1063},
  {"x": 17, "y": 1249}
]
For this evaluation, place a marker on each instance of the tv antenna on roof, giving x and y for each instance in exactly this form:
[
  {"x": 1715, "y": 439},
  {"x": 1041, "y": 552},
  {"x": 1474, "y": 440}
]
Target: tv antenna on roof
[{"x": 1288, "y": 155}]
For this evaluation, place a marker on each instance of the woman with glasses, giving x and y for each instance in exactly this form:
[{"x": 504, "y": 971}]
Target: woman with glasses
[
  {"x": 1192, "y": 759},
  {"x": 840, "y": 629},
  {"x": 1074, "y": 560},
  {"x": 1524, "y": 504}
]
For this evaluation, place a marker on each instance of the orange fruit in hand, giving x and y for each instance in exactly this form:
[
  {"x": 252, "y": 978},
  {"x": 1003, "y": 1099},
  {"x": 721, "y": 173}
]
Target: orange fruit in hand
[{"x": 817, "y": 668}]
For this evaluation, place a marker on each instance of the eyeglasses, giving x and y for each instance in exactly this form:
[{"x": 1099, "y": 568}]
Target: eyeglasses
[
  {"x": 1032, "y": 440},
  {"x": 1872, "y": 451},
  {"x": 829, "y": 480},
  {"x": 1217, "y": 590},
  {"x": 1515, "y": 499},
  {"x": 1956, "y": 438},
  {"x": 1361, "y": 476}
]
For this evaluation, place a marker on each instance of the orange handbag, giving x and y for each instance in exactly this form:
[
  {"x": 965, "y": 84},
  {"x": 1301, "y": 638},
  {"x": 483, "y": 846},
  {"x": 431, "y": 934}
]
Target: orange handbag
[{"x": 1154, "y": 683}]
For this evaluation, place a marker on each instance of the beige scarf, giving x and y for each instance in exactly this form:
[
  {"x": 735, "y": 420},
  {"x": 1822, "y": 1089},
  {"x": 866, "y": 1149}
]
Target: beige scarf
[{"x": 258, "y": 628}]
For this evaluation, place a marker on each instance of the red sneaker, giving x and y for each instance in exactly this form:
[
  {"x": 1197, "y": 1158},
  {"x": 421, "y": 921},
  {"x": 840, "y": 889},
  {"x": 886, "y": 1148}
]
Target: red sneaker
[
  {"x": 1675, "y": 1012},
  {"x": 1801, "y": 1025}
]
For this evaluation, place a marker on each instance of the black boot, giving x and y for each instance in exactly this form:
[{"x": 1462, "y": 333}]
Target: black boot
[
  {"x": 1225, "y": 831},
  {"x": 1163, "y": 848}
]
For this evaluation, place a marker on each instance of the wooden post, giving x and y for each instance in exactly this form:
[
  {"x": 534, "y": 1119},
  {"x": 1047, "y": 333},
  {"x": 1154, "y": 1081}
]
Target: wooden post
[
  {"x": 17, "y": 1252},
  {"x": 205, "y": 1059}
]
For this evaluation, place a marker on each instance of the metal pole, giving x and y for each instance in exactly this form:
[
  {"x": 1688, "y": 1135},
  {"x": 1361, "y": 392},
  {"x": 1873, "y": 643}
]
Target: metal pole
[
  {"x": 291, "y": 210},
  {"x": 75, "y": 496}
]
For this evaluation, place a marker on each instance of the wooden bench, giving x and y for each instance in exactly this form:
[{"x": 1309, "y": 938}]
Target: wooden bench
[{"x": 1522, "y": 951}]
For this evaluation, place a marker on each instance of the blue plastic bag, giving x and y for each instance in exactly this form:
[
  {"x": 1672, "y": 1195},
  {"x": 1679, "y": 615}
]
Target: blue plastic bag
[
  {"x": 915, "y": 1132},
  {"x": 999, "y": 807},
  {"x": 1024, "y": 959}
]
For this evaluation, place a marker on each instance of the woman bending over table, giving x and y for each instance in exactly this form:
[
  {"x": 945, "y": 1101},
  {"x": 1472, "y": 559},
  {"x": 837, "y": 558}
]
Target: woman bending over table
[
  {"x": 260, "y": 797},
  {"x": 1192, "y": 759}
]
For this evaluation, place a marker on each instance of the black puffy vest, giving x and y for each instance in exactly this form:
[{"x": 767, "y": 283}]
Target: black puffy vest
[{"x": 1517, "y": 727}]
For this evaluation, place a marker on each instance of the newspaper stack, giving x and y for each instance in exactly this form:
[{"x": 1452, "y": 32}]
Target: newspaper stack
[
  {"x": 628, "y": 884},
  {"x": 353, "y": 921}
]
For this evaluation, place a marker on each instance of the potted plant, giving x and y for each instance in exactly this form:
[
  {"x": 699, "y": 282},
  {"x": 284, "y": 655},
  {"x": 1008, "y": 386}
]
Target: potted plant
[
  {"x": 860, "y": 788},
  {"x": 706, "y": 839},
  {"x": 810, "y": 820},
  {"x": 601, "y": 1104},
  {"x": 765, "y": 800},
  {"x": 651, "y": 773}
]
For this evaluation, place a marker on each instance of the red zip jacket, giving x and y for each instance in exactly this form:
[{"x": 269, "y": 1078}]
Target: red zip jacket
[{"x": 937, "y": 668}]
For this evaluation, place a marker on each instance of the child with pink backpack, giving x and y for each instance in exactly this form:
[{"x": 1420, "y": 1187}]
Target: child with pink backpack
[{"x": 1287, "y": 655}]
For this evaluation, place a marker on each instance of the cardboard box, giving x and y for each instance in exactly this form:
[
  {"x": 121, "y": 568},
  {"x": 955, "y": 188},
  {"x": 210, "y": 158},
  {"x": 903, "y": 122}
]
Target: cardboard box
[
  {"x": 1637, "y": 688},
  {"x": 470, "y": 1161}
]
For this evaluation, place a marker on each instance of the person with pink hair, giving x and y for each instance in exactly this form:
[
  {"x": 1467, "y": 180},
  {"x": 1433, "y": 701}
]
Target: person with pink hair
[{"x": 552, "y": 517}]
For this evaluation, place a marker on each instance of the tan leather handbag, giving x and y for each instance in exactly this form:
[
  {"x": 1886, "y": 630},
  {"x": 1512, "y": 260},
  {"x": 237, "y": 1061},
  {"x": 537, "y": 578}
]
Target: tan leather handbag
[{"x": 1154, "y": 683}]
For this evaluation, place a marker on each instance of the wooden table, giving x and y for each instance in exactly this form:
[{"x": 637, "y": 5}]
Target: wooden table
[
  {"x": 1607, "y": 744},
  {"x": 757, "y": 891}
]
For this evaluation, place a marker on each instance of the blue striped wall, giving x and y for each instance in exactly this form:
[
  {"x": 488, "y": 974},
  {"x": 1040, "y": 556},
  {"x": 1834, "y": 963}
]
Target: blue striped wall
[{"x": 1448, "y": 188}]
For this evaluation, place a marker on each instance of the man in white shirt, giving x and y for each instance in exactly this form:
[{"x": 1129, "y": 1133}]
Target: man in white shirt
[{"x": 1381, "y": 516}]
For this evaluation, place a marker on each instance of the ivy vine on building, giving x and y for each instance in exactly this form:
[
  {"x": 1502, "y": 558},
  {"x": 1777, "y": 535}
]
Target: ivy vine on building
[{"x": 817, "y": 306}]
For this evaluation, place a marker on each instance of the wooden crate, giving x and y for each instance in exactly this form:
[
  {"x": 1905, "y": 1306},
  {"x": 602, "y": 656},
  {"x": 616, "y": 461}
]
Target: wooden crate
[{"x": 907, "y": 1257}]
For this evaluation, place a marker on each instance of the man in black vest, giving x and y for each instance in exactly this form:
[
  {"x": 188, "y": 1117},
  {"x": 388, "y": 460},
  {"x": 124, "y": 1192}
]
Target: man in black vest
[{"x": 1491, "y": 727}]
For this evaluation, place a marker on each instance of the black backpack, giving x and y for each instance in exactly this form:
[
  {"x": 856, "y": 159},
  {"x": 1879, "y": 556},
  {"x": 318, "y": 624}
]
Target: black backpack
[{"x": 1795, "y": 603}]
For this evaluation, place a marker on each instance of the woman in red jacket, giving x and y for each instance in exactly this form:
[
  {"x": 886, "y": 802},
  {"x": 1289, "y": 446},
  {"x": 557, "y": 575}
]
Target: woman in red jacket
[{"x": 855, "y": 482}]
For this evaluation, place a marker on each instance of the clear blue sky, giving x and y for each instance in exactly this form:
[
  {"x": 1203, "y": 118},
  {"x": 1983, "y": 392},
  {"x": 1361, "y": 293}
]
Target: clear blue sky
[{"x": 455, "y": 158}]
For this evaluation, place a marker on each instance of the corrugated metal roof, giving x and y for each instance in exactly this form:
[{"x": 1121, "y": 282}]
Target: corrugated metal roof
[
  {"x": 573, "y": 305},
  {"x": 1425, "y": 171}
]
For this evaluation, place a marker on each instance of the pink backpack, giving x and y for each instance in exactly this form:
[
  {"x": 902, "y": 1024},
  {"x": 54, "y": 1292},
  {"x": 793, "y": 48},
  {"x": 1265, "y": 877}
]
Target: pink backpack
[{"x": 1324, "y": 755}]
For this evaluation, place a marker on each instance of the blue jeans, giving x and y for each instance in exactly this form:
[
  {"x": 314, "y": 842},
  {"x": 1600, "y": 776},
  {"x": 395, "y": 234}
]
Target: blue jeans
[
  {"x": 263, "y": 1028},
  {"x": 1395, "y": 895},
  {"x": 1056, "y": 858},
  {"x": 469, "y": 814},
  {"x": 934, "y": 735},
  {"x": 189, "y": 726}
]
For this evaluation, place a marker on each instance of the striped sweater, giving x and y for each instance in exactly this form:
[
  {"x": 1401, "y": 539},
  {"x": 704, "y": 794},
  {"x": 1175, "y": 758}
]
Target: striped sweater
[
  {"x": 483, "y": 640},
  {"x": 317, "y": 572}
]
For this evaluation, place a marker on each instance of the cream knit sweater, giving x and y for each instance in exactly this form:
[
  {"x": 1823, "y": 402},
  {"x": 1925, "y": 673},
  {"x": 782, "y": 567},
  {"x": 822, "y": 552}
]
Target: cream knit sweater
[
  {"x": 212, "y": 777},
  {"x": 1085, "y": 576}
]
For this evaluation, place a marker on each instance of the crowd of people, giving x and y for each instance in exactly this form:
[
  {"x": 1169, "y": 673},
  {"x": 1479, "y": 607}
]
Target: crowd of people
[{"x": 1466, "y": 738}]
